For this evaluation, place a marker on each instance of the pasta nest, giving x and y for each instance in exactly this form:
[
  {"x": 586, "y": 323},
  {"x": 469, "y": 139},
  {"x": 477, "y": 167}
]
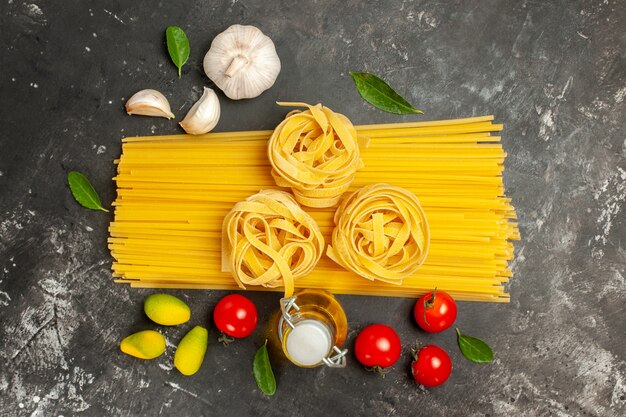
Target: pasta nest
[
  {"x": 269, "y": 240},
  {"x": 381, "y": 232},
  {"x": 316, "y": 153}
]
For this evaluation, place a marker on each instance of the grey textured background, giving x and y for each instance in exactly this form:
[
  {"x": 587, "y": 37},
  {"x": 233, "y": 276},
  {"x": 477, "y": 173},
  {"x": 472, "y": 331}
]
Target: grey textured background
[{"x": 553, "y": 72}]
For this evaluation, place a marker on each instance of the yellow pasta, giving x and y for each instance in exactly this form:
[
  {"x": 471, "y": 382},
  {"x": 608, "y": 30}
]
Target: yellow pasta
[
  {"x": 268, "y": 240},
  {"x": 174, "y": 192},
  {"x": 381, "y": 233},
  {"x": 316, "y": 153}
]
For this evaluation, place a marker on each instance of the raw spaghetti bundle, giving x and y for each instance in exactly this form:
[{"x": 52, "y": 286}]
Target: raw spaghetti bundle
[
  {"x": 381, "y": 233},
  {"x": 268, "y": 240},
  {"x": 316, "y": 153},
  {"x": 173, "y": 193}
]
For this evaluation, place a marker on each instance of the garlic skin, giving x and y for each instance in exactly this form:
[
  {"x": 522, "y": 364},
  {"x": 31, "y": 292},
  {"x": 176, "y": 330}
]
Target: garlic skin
[
  {"x": 242, "y": 62},
  {"x": 203, "y": 115},
  {"x": 149, "y": 102}
]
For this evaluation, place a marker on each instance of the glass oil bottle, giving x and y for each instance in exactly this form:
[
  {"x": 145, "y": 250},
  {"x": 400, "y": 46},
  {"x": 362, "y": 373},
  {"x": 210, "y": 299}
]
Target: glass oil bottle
[{"x": 312, "y": 327}]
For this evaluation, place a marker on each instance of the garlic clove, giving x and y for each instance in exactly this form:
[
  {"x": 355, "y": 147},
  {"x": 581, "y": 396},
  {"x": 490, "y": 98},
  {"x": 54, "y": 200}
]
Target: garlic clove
[
  {"x": 203, "y": 115},
  {"x": 242, "y": 62},
  {"x": 149, "y": 102}
]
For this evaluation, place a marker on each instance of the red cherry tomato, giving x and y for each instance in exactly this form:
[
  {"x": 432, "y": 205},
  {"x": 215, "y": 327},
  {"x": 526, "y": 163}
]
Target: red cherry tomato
[
  {"x": 432, "y": 366},
  {"x": 435, "y": 311},
  {"x": 377, "y": 345},
  {"x": 235, "y": 316}
]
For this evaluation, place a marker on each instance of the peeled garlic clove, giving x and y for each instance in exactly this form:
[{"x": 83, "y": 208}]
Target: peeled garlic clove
[
  {"x": 204, "y": 115},
  {"x": 149, "y": 103},
  {"x": 242, "y": 62}
]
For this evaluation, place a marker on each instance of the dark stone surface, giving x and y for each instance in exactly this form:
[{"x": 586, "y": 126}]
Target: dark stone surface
[{"x": 553, "y": 72}]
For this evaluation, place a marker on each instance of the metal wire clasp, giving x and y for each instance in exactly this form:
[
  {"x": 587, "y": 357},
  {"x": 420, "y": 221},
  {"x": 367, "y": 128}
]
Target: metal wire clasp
[
  {"x": 338, "y": 360},
  {"x": 287, "y": 304}
]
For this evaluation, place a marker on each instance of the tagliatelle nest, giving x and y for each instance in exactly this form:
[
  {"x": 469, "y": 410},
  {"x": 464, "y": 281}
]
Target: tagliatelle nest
[
  {"x": 316, "y": 153},
  {"x": 269, "y": 240},
  {"x": 381, "y": 232}
]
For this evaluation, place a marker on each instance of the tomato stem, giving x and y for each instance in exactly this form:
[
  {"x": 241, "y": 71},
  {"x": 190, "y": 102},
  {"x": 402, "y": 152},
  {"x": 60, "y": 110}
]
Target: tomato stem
[
  {"x": 378, "y": 369},
  {"x": 415, "y": 349},
  {"x": 429, "y": 304},
  {"x": 225, "y": 339}
]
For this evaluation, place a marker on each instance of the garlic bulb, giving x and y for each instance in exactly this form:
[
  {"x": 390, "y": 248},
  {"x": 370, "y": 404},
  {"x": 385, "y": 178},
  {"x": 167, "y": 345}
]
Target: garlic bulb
[
  {"x": 149, "y": 103},
  {"x": 242, "y": 62},
  {"x": 204, "y": 115}
]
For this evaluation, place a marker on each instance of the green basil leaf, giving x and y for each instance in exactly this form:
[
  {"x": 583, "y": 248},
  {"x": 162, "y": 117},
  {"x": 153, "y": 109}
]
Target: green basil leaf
[
  {"x": 379, "y": 94},
  {"x": 474, "y": 349},
  {"x": 262, "y": 370},
  {"x": 83, "y": 192},
  {"x": 177, "y": 46}
]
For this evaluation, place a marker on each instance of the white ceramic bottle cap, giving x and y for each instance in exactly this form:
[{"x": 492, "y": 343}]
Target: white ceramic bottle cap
[{"x": 308, "y": 342}]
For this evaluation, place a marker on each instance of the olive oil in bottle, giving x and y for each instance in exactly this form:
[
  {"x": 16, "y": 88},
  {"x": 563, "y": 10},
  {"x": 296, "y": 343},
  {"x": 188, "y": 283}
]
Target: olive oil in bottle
[{"x": 312, "y": 328}]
